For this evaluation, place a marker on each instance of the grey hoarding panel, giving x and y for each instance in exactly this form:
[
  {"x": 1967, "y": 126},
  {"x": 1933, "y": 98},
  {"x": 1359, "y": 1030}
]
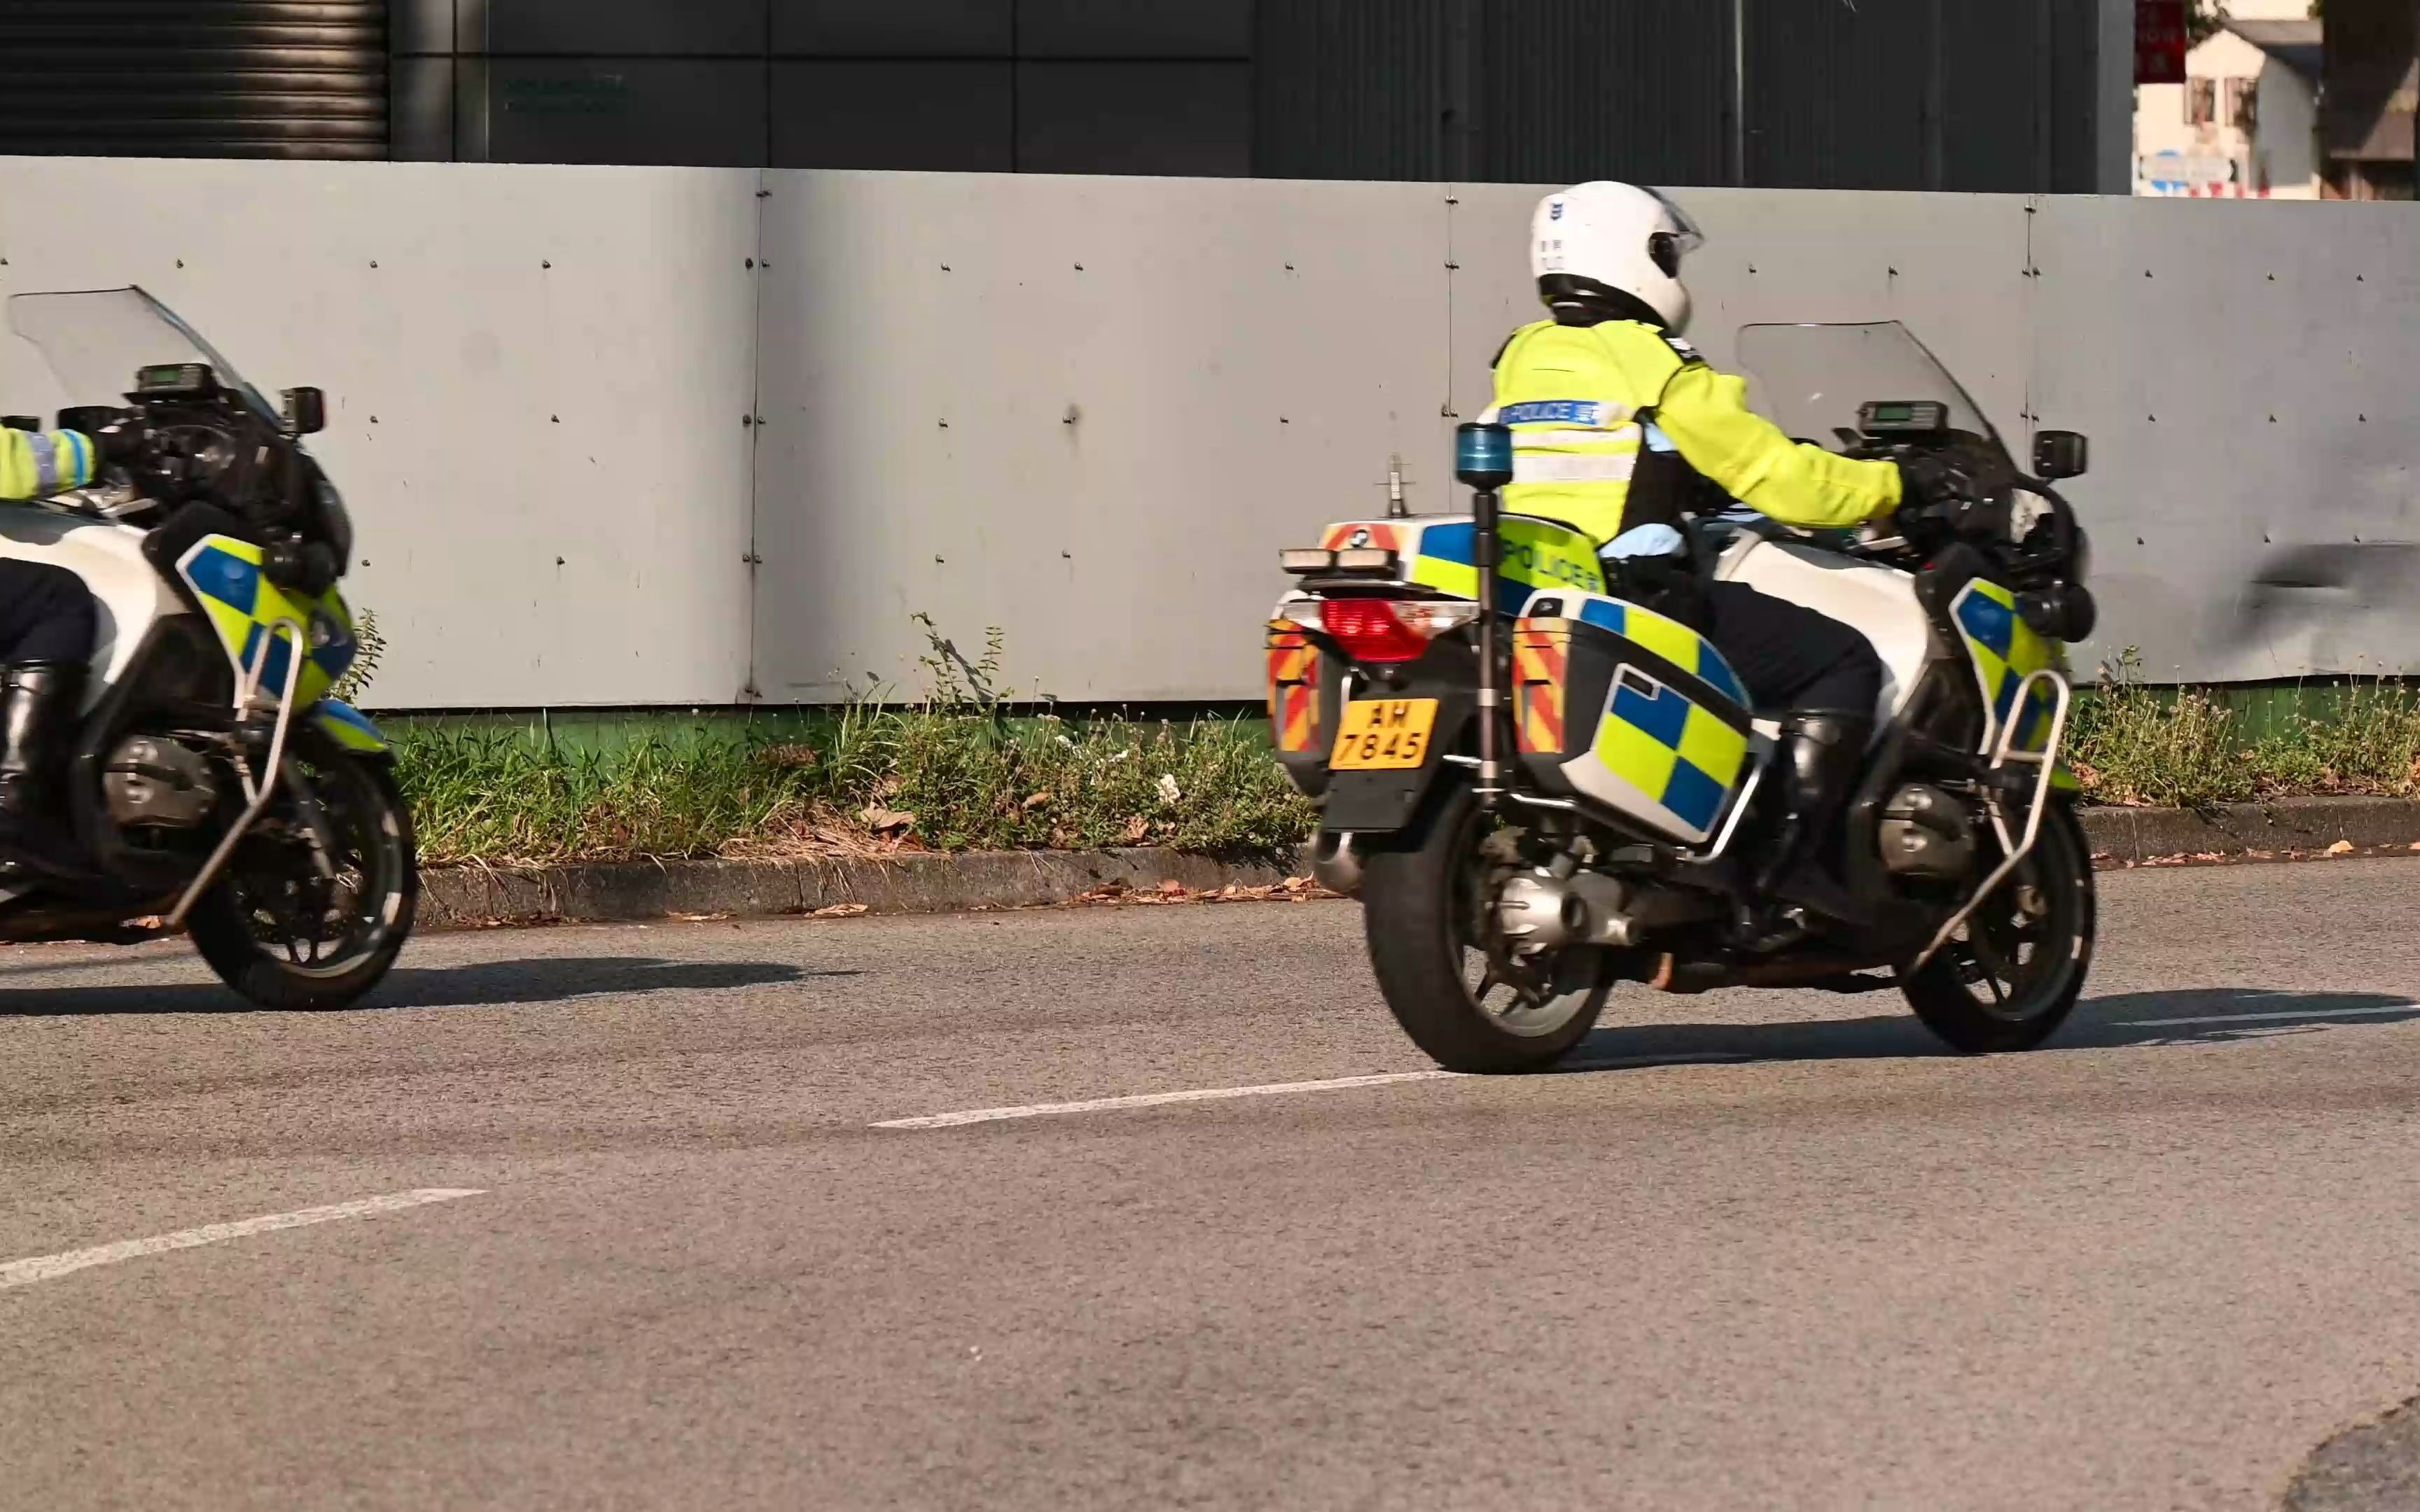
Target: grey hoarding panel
[
  {"x": 546, "y": 464},
  {"x": 2246, "y": 373},
  {"x": 1087, "y": 411}
]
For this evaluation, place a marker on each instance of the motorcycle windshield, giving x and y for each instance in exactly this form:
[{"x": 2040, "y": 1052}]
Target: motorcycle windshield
[
  {"x": 1812, "y": 380},
  {"x": 94, "y": 339}
]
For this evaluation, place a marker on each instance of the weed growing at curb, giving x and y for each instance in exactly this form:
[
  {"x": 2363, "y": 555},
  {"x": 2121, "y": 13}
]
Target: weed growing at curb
[
  {"x": 863, "y": 783},
  {"x": 2184, "y": 747},
  {"x": 959, "y": 772}
]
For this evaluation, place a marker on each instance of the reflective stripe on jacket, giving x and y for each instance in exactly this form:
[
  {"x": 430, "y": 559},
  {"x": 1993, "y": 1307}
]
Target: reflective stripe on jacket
[
  {"x": 1573, "y": 397},
  {"x": 36, "y": 464}
]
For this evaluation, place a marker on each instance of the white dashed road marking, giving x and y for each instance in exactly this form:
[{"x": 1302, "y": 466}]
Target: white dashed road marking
[
  {"x": 51, "y": 1267},
  {"x": 1150, "y": 1100},
  {"x": 1220, "y": 1094}
]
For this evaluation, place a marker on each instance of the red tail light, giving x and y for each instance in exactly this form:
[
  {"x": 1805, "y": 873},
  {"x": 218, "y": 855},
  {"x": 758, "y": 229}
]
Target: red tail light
[{"x": 1370, "y": 629}]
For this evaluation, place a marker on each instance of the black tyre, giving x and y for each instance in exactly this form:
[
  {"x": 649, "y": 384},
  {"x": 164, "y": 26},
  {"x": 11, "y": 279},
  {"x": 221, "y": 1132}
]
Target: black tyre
[
  {"x": 1429, "y": 907},
  {"x": 283, "y": 933},
  {"x": 2010, "y": 976}
]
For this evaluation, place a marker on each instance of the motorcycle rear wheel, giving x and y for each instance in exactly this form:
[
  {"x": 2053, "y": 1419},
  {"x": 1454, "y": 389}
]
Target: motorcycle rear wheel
[
  {"x": 1428, "y": 908},
  {"x": 285, "y": 935},
  {"x": 2012, "y": 974}
]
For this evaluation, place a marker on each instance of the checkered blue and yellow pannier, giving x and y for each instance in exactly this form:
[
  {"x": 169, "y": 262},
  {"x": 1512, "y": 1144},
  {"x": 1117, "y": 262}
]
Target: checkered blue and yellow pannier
[{"x": 1623, "y": 707}]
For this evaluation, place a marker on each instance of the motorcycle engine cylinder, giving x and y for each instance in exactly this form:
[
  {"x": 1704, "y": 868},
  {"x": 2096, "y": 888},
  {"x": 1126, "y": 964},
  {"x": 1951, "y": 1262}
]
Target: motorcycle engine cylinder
[
  {"x": 153, "y": 780},
  {"x": 1927, "y": 833}
]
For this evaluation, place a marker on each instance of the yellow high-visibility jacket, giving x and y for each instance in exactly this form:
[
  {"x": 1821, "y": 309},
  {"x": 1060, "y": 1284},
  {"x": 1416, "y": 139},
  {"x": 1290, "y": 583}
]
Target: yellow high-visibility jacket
[
  {"x": 1575, "y": 398},
  {"x": 34, "y": 464}
]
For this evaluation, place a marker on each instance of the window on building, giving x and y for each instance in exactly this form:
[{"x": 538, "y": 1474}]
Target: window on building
[
  {"x": 2201, "y": 101},
  {"x": 2244, "y": 105}
]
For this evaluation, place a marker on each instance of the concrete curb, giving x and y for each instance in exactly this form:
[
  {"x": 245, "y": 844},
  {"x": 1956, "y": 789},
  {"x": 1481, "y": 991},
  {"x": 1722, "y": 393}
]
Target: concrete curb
[
  {"x": 2289, "y": 824},
  {"x": 463, "y": 897}
]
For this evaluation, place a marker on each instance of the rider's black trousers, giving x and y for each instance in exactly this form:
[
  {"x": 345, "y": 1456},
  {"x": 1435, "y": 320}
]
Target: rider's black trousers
[
  {"x": 46, "y": 613},
  {"x": 1790, "y": 656}
]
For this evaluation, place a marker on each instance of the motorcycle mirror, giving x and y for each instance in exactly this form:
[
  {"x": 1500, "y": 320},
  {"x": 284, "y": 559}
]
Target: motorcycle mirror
[
  {"x": 306, "y": 411},
  {"x": 2060, "y": 454}
]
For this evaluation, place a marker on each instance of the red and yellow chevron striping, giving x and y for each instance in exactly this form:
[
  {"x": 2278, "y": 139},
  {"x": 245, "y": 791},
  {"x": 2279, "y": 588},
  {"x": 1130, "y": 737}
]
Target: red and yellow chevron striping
[
  {"x": 1293, "y": 689},
  {"x": 1540, "y": 659}
]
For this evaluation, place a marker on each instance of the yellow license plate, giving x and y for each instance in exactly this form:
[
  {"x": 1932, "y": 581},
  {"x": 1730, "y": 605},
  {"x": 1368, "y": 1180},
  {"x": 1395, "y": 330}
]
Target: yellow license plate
[{"x": 1384, "y": 735}]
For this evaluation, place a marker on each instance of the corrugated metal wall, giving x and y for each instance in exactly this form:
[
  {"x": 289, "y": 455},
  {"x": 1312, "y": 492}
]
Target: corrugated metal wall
[
  {"x": 1837, "y": 95},
  {"x": 1352, "y": 88},
  {"x": 1845, "y": 94},
  {"x": 1572, "y": 89},
  {"x": 193, "y": 78}
]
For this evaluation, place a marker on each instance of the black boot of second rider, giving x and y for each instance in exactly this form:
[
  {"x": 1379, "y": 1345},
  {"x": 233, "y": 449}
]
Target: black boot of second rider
[{"x": 1820, "y": 757}]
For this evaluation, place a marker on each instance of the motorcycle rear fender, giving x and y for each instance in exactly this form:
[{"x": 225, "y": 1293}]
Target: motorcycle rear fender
[{"x": 1382, "y": 803}]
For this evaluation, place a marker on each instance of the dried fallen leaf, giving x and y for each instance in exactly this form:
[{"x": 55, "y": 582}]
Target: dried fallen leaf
[
  {"x": 2342, "y": 847},
  {"x": 882, "y": 820},
  {"x": 1138, "y": 830},
  {"x": 1037, "y": 800},
  {"x": 2416, "y": 845},
  {"x": 1172, "y": 888},
  {"x": 700, "y": 919},
  {"x": 840, "y": 911}
]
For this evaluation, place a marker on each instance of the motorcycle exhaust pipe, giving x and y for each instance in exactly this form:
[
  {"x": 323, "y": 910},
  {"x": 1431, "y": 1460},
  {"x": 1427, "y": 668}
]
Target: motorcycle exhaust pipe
[
  {"x": 1335, "y": 864},
  {"x": 1539, "y": 910},
  {"x": 1687, "y": 978}
]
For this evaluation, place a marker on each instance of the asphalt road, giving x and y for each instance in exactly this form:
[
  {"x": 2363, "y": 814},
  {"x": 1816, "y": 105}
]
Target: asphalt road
[{"x": 1779, "y": 1253}]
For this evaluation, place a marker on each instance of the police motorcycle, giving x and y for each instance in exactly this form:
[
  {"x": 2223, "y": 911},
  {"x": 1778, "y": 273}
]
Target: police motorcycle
[
  {"x": 212, "y": 785},
  {"x": 1540, "y": 784}
]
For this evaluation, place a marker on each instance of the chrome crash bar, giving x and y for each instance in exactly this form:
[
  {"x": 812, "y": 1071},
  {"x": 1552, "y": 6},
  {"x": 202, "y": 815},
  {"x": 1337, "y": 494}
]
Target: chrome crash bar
[{"x": 2003, "y": 756}]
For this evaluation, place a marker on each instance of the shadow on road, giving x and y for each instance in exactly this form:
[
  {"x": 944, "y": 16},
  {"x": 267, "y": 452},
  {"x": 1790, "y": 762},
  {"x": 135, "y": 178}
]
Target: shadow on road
[
  {"x": 487, "y": 983},
  {"x": 2191, "y": 1016}
]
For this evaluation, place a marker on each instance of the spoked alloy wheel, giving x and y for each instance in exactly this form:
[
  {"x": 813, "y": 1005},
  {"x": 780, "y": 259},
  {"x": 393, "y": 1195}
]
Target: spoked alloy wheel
[
  {"x": 2011, "y": 974},
  {"x": 1447, "y": 974},
  {"x": 284, "y": 933}
]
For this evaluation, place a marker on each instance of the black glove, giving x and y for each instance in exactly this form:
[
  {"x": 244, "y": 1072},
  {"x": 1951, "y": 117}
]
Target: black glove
[{"x": 1963, "y": 489}]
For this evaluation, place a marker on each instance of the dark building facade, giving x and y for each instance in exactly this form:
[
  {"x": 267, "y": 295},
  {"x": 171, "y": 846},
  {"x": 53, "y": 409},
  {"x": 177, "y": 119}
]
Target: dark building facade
[
  {"x": 2370, "y": 94},
  {"x": 1869, "y": 94}
]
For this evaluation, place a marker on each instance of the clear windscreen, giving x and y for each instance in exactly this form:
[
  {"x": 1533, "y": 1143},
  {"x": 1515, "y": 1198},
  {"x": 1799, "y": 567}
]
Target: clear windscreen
[
  {"x": 92, "y": 341},
  {"x": 1812, "y": 380}
]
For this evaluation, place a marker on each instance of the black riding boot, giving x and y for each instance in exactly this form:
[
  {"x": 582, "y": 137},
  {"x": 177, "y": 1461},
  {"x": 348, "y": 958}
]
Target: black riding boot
[
  {"x": 1818, "y": 764},
  {"x": 37, "y": 720}
]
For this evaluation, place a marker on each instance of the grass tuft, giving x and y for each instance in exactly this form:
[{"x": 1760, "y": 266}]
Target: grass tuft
[{"x": 2135, "y": 744}]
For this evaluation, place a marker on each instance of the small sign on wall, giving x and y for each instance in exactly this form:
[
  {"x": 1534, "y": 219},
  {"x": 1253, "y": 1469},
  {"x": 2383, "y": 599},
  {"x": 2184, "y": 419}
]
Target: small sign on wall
[{"x": 2159, "y": 41}]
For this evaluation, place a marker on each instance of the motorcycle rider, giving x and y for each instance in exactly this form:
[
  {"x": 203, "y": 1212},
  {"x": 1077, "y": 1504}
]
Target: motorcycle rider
[
  {"x": 47, "y": 625},
  {"x": 1617, "y": 428}
]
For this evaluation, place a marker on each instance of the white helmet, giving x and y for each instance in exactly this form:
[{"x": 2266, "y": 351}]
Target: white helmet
[{"x": 1618, "y": 237}]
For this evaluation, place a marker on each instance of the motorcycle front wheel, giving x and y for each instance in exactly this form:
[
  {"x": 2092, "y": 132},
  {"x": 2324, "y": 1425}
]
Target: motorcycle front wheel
[
  {"x": 281, "y": 929},
  {"x": 1428, "y": 901},
  {"x": 2011, "y": 974}
]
